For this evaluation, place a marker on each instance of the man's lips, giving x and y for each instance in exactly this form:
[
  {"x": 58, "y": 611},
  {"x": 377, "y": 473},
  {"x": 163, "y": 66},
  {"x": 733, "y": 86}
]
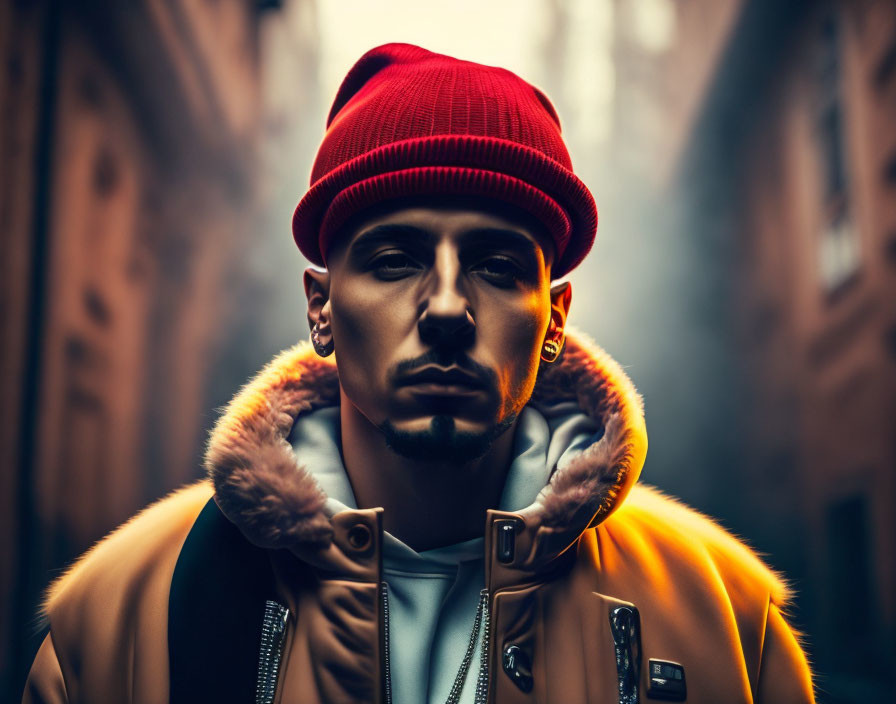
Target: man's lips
[{"x": 439, "y": 380}]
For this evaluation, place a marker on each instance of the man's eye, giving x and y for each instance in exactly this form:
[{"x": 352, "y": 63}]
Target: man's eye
[
  {"x": 393, "y": 265},
  {"x": 499, "y": 271}
]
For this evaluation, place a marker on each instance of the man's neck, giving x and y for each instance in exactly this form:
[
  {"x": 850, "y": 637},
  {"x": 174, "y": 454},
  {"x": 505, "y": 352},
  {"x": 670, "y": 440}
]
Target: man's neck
[{"x": 426, "y": 504}]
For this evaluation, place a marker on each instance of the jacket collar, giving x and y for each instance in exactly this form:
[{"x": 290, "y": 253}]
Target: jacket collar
[{"x": 276, "y": 503}]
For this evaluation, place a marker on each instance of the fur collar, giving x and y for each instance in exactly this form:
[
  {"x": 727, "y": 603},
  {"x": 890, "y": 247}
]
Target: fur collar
[{"x": 278, "y": 504}]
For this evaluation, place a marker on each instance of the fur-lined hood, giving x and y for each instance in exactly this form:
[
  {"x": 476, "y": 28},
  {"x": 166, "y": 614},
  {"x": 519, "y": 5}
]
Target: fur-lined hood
[{"x": 263, "y": 488}]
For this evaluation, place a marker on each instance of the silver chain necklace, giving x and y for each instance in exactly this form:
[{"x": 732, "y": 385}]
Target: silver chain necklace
[{"x": 480, "y": 623}]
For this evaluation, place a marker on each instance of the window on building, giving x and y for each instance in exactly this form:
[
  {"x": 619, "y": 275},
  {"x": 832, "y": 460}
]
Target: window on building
[{"x": 838, "y": 250}]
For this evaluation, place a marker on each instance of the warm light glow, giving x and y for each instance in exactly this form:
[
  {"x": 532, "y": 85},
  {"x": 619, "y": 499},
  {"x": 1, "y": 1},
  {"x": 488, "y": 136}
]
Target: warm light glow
[
  {"x": 653, "y": 22},
  {"x": 499, "y": 33}
]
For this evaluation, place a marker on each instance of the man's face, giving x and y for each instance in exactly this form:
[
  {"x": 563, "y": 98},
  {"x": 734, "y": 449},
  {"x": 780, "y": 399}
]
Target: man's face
[{"x": 438, "y": 314}]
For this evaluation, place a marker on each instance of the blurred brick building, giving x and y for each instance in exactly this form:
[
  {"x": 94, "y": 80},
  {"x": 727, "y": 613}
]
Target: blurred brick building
[
  {"x": 781, "y": 155},
  {"x": 128, "y": 141}
]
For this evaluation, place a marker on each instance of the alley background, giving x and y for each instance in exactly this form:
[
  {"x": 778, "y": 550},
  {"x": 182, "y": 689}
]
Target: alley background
[{"x": 743, "y": 158}]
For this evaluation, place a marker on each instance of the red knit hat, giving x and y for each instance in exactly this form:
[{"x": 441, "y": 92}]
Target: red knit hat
[{"x": 410, "y": 122}]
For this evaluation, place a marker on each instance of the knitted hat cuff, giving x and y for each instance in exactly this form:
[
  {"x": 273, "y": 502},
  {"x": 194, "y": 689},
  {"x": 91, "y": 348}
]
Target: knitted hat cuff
[
  {"x": 452, "y": 165},
  {"x": 439, "y": 180}
]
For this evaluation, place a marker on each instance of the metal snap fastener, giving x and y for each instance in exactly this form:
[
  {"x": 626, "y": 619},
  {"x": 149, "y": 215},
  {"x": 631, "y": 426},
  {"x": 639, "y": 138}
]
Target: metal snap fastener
[
  {"x": 359, "y": 536},
  {"x": 506, "y": 540},
  {"x": 517, "y": 666}
]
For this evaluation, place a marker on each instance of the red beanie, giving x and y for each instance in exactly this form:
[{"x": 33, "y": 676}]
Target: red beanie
[{"x": 410, "y": 122}]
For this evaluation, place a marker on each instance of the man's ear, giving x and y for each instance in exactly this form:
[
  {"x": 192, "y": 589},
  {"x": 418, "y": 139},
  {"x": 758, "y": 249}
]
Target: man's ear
[
  {"x": 317, "y": 291},
  {"x": 561, "y": 298}
]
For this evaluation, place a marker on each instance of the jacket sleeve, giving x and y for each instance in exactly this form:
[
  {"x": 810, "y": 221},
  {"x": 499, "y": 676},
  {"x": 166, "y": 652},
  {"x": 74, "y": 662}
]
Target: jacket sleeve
[
  {"x": 45, "y": 683},
  {"x": 784, "y": 675}
]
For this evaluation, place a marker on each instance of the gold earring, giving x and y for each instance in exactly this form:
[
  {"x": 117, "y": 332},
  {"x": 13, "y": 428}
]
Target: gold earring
[{"x": 550, "y": 350}]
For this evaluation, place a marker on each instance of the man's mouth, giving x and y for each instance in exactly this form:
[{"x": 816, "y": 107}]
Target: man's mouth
[{"x": 442, "y": 380}]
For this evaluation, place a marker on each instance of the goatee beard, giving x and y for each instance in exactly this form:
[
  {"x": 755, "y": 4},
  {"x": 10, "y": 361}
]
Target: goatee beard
[{"x": 442, "y": 443}]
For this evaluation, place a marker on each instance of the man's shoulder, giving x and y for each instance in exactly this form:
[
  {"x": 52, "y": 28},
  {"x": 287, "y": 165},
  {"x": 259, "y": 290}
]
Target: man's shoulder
[
  {"x": 138, "y": 555},
  {"x": 688, "y": 546}
]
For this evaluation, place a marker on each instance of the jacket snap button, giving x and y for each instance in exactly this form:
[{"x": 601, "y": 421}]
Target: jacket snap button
[
  {"x": 506, "y": 540},
  {"x": 518, "y": 667},
  {"x": 359, "y": 536}
]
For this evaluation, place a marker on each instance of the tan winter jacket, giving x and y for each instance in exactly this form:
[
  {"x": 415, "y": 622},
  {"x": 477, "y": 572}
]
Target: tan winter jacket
[{"x": 598, "y": 593}]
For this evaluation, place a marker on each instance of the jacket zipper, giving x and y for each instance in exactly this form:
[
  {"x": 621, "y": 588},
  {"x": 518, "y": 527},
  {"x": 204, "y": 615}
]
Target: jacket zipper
[
  {"x": 482, "y": 621},
  {"x": 481, "y": 696},
  {"x": 387, "y": 674},
  {"x": 273, "y": 633}
]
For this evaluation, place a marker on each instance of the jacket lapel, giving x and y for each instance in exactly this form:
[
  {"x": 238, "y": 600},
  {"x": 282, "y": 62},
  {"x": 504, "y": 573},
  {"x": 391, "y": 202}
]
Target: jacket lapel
[{"x": 216, "y": 610}]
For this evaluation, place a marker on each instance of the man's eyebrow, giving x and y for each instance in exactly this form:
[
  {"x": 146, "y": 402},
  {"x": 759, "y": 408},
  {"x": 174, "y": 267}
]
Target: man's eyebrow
[
  {"x": 390, "y": 231},
  {"x": 502, "y": 237},
  {"x": 494, "y": 237}
]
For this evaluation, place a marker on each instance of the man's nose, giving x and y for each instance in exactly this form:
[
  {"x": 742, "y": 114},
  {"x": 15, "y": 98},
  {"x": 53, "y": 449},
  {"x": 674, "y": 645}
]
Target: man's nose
[{"x": 446, "y": 320}]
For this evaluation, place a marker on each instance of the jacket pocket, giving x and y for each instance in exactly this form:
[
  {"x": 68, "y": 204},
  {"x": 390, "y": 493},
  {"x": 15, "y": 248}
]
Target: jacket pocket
[{"x": 551, "y": 646}]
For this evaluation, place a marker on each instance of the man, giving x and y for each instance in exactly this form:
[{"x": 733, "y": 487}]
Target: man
[{"x": 442, "y": 510}]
